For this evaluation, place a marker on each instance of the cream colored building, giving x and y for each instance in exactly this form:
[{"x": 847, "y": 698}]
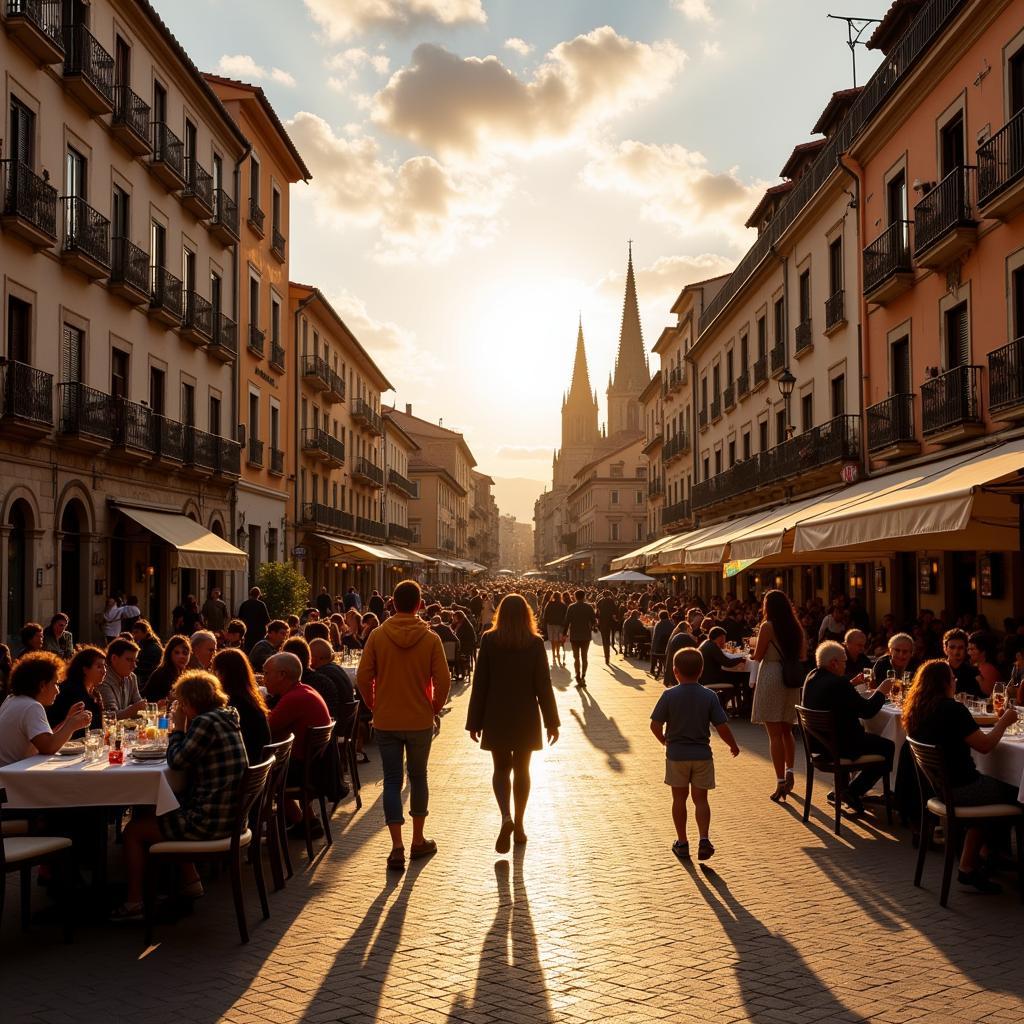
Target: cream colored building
[
  {"x": 654, "y": 437},
  {"x": 515, "y": 544},
  {"x": 120, "y": 311},
  {"x": 399, "y": 488},
  {"x": 483, "y": 522}
]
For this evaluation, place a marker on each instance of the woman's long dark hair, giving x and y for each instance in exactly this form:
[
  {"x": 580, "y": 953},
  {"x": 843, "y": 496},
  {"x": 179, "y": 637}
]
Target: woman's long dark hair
[
  {"x": 514, "y": 624},
  {"x": 74, "y": 677},
  {"x": 789, "y": 635},
  {"x": 233, "y": 670},
  {"x": 929, "y": 688}
]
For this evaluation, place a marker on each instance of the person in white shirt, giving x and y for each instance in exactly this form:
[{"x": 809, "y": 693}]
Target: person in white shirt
[
  {"x": 112, "y": 619},
  {"x": 24, "y": 730}
]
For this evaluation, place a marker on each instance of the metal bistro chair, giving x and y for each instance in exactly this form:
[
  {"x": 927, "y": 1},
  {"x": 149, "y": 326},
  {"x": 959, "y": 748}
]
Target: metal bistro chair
[
  {"x": 345, "y": 735},
  {"x": 251, "y": 788},
  {"x": 318, "y": 741},
  {"x": 932, "y": 778},
  {"x": 272, "y": 824},
  {"x": 821, "y": 726}
]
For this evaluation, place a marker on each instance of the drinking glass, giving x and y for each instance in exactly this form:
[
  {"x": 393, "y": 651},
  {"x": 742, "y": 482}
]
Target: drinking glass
[
  {"x": 109, "y": 726},
  {"x": 93, "y": 744},
  {"x": 999, "y": 698},
  {"x": 869, "y": 676}
]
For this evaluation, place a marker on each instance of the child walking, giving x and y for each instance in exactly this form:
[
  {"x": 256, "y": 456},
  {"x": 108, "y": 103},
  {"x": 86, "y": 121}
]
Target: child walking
[{"x": 682, "y": 721}]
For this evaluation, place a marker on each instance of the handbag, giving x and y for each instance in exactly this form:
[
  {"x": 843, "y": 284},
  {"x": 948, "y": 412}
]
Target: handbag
[{"x": 793, "y": 673}]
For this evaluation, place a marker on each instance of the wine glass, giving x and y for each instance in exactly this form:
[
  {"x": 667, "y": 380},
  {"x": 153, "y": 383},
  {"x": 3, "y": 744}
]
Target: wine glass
[{"x": 999, "y": 698}]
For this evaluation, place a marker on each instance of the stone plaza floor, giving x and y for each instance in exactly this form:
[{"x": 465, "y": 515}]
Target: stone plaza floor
[{"x": 594, "y": 920}]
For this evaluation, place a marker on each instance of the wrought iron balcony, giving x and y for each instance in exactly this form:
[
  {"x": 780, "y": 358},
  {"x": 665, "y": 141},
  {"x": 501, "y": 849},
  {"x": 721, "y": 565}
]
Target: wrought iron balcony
[
  {"x": 804, "y": 337},
  {"x": 702, "y": 419},
  {"x": 409, "y": 487},
  {"x": 951, "y": 404},
  {"x": 225, "y": 217},
  {"x": 370, "y": 528},
  {"x": 256, "y": 216},
  {"x": 672, "y": 515},
  {"x": 256, "y": 340},
  {"x": 318, "y": 514},
  {"x": 197, "y": 195},
  {"x": 229, "y": 457},
  {"x": 277, "y": 245},
  {"x": 336, "y": 386},
  {"x": 197, "y": 318},
  {"x": 716, "y": 408},
  {"x": 276, "y": 462},
  {"x": 778, "y": 357},
  {"x": 133, "y": 430},
  {"x": 363, "y": 413},
  {"x": 364, "y": 469},
  {"x": 129, "y": 272},
  {"x": 655, "y": 487},
  {"x": 743, "y": 384},
  {"x": 675, "y": 447},
  {"x": 944, "y": 222},
  {"x": 86, "y": 414},
  {"x": 399, "y": 534},
  {"x": 891, "y": 427},
  {"x": 888, "y": 270},
  {"x": 729, "y": 396},
  {"x": 164, "y": 296},
  {"x": 168, "y": 439},
  {"x": 760, "y": 370},
  {"x": 315, "y": 371},
  {"x": 202, "y": 450},
  {"x": 26, "y": 398},
  {"x": 88, "y": 70},
  {"x": 224, "y": 343},
  {"x": 1001, "y": 170},
  {"x": 737, "y": 479},
  {"x": 323, "y": 446},
  {"x": 168, "y": 160},
  {"x": 86, "y": 238},
  {"x": 254, "y": 453},
  {"x": 130, "y": 121},
  {"x": 277, "y": 356},
  {"x": 38, "y": 28},
  {"x": 29, "y": 205},
  {"x": 835, "y": 311},
  {"x": 1006, "y": 380}
]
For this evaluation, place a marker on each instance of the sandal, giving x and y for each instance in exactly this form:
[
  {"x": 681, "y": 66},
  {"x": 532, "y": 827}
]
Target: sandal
[
  {"x": 396, "y": 859},
  {"x": 425, "y": 849}
]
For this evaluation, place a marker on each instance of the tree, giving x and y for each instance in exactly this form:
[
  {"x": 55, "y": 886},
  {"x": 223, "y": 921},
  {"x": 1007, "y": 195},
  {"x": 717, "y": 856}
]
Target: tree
[{"x": 285, "y": 589}]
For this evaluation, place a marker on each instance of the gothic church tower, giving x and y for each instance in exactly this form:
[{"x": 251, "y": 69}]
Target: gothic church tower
[{"x": 632, "y": 373}]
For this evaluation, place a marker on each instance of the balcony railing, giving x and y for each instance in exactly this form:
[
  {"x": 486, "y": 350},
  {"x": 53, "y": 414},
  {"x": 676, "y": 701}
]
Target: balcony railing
[
  {"x": 946, "y": 207},
  {"x": 277, "y": 355},
  {"x": 254, "y": 453},
  {"x": 86, "y": 231},
  {"x": 887, "y": 255},
  {"x": 404, "y": 484},
  {"x": 133, "y": 427},
  {"x": 891, "y": 423},
  {"x": 43, "y": 15},
  {"x": 400, "y": 534},
  {"x": 362, "y": 410},
  {"x": 168, "y": 154},
  {"x": 729, "y": 396},
  {"x": 1006, "y": 376},
  {"x": 86, "y": 412},
  {"x": 760, "y": 370},
  {"x": 737, "y": 479},
  {"x": 315, "y": 368},
  {"x": 225, "y": 215},
  {"x": 655, "y": 487},
  {"x": 365, "y": 468},
  {"x": 229, "y": 457},
  {"x": 197, "y": 315},
  {"x": 743, "y": 384},
  {"x": 672, "y": 514},
  {"x": 371, "y": 528},
  {"x": 165, "y": 292},
  {"x": 277, "y": 243},
  {"x": 198, "y": 192},
  {"x": 202, "y": 450},
  {"x": 323, "y": 515},
  {"x": 716, "y": 408},
  {"x": 28, "y": 198},
  {"x": 336, "y": 386},
  {"x": 131, "y": 112},
  {"x": 702, "y": 419},
  {"x": 256, "y": 340},
  {"x": 225, "y": 333},
  {"x": 675, "y": 446},
  {"x": 315, "y": 439},
  {"x": 277, "y": 461},
  {"x": 1001, "y": 160},
  {"x": 804, "y": 336},
  {"x": 835, "y": 309},
  {"x": 778, "y": 357},
  {"x": 951, "y": 400},
  {"x": 129, "y": 266},
  {"x": 168, "y": 438},
  {"x": 256, "y": 216},
  {"x": 26, "y": 394},
  {"x": 84, "y": 58}
]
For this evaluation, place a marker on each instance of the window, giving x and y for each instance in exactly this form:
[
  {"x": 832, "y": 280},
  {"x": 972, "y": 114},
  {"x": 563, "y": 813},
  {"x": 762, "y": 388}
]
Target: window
[
  {"x": 159, "y": 103},
  {"x": 1017, "y": 295},
  {"x": 275, "y": 209},
  {"x": 838, "y": 388},
  {"x": 805, "y": 297},
  {"x": 718, "y": 461},
  {"x": 191, "y": 140},
  {"x": 732, "y": 453},
  {"x": 218, "y": 173},
  {"x": 707, "y": 468},
  {"x": 23, "y": 133},
  {"x": 730, "y": 368},
  {"x": 254, "y": 302},
  {"x": 275, "y": 428},
  {"x": 746, "y": 445},
  {"x": 958, "y": 338},
  {"x": 780, "y": 322},
  {"x": 951, "y": 144},
  {"x": 613, "y": 531},
  {"x": 215, "y": 408},
  {"x": 216, "y": 292},
  {"x": 254, "y": 417},
  {"x": 780, "y": 425},
  {"x": 188, "y": 404},
  {"x": 835, "y": 266},
  {"x": 744, "y": 353},
  {"x": 896, "y": 197},
  {"x": 806, "y": 411},
  {"x": 762, "y": 436},
  {"x": 639, "y": 497},
  {"x": 19, "y": 330},
  {"x": 762, "y": 337},
  {"x": 75, "y": 166},
  {"x": 704, "y": 395},
  {"x": 275, "y": 321},
  {"x": 899, "y": 363},
  {"x": 272, "y": 545},
  {"x": 120, "y": 214},
  {"x": 615, "y": 497},
  {"x": 71, "y": 354},
  {"x": 639, "y": 532},
  {"x": 1015, "y": 73},
  {"x": 157, "y": 388},
  {"x": 188, "y": 269},
  {"x": 254, "y": 181},
  {"x": 716, "y": 381},
  {"x": 119, "y": 373},
  {"x": 157, "y": 245}
]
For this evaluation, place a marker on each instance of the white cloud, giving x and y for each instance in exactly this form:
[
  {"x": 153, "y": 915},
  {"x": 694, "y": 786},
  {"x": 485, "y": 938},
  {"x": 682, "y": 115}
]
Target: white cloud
[
  {"x": 466, "y": 105},
  {"x": 696, "y": 10},
  {"x": 381, "y": 63},
  {"x": 712, "y": 49},
  {"x": 520, "y": 46},
  {"x": 348, "y": 64},
  {"x": 343, "y": 19},
  {"x": 677, "y": 188},
  {"x": 242, "y": 66},
  {"x": 422, "y": 209}
]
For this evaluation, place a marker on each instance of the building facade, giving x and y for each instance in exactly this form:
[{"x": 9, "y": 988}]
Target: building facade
[
  {"x": 119, "y": 262},
  {"x": 515, "y": 544}
]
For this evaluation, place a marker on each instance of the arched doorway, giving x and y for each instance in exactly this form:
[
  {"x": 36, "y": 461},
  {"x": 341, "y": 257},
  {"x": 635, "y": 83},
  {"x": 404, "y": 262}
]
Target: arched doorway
[
  {"x": 72, "y": 572},
  {"x": 19, "y": 566}
]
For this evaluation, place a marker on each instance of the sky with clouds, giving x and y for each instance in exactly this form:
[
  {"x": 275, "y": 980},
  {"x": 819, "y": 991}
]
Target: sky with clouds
[{"x": 478, "y": 166}]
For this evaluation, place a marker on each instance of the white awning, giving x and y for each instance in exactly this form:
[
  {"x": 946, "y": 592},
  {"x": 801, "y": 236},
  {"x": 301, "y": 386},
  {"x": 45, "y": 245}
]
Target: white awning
[
  {"x": 356, "y": 549},
  {"x": 672, "y": 552},
  {"x": 195, "y": 547},
  {"x": 559, "y": 561},
  {"x": 415, "y": 556},
  {"x": 949, "y": 497},
  {"x": 638, "y": 559},
  {"x": 768, "y": 536}
]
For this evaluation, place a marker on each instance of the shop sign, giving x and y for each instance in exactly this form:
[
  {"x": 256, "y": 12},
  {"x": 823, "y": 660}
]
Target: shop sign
[
  {"x": 850, "y": 473},
  {"x": 298, "y": 551}
]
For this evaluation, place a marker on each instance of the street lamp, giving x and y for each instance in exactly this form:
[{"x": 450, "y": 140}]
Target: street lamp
[{"x": 786, "y": 384}]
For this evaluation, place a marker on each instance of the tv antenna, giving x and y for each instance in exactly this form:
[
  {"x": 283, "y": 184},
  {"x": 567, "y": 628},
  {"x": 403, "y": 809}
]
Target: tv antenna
[{"x": 855, "y": 29}]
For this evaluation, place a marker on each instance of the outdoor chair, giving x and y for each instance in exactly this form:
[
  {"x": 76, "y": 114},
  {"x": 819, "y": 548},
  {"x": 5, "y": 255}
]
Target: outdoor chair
[
  {"x": 345, "y": 734},
  {"x": 251, "y": 789},
  {"x": 318, "y": 742},
  {"x": 821, "y": 726},
  {"x": 932, "y": 778},
  {"x": 272, "y": 825}
]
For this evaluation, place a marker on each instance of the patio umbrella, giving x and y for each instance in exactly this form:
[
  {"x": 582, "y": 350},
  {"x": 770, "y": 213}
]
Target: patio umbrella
[
  {"x": 505, "y": 572},
  {"x": 626, "y": 576}
]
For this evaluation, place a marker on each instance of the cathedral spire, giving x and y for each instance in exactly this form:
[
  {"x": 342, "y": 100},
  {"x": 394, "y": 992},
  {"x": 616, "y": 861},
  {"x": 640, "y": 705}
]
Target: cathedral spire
[
  {"x": 632, "y": 372},
  {"x": 580, "y": 374}
]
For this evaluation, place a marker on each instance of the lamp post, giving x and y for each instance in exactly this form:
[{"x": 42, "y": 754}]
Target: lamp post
[{"x": 786, "y": 384}]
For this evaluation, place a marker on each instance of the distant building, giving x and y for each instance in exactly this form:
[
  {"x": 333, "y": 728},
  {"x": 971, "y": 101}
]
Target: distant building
[{"x": 515, "y": 544}]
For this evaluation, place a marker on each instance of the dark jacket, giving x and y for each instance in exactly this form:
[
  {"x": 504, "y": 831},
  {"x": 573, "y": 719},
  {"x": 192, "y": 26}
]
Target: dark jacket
[
  {"x": 580, "y": 620},
  {"x": 253, "y": 612},
  {"x": 676, "y": 643},
  {"x": 511, "y": 691},
  {"x": 825, "y": 691},
  {"x": 150, "y": 656},
  {"x": 662, "y": 632},
  {"x": 716, "y": 661},
  {"x": 606, "y": 611},
  {"x": 554, "y": 613},
  {"x": 255, "y": 730}
]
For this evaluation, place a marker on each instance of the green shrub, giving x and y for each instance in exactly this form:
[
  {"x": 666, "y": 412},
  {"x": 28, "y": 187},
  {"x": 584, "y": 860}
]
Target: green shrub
[{"x": 285, "y": 589}]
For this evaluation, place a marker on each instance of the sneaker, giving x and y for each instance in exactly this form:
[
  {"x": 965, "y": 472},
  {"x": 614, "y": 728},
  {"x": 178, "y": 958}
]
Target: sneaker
[
  {"x": 681, "y": 850},
  {"x": 705, "y": 850},
  {"x": 976, "y": 880}
]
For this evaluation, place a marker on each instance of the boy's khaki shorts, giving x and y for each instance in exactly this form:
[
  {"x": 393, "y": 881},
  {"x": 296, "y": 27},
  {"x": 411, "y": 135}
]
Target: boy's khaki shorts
[{"x": 690, "y": 773}]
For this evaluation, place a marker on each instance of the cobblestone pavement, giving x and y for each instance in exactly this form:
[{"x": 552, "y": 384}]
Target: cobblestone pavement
[{"x": 594, "y": 920}]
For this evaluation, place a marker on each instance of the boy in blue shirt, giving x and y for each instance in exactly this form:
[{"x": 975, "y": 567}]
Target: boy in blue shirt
[{"x": 681, "y": 721}]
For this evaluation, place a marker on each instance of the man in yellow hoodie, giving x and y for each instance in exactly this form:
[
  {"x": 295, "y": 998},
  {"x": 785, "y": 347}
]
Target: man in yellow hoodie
[{"x": 403, "y": 678}]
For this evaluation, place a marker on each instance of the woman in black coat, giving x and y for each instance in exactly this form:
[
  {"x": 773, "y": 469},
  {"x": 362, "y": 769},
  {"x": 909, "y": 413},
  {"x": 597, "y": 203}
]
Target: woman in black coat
[{"x": 511, "y": 691}]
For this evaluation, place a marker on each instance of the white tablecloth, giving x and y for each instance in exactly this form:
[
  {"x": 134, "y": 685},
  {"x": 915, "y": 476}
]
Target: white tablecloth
[
  {"x": 1005, "y": 762},
  {"x": 42, "y": 781}
]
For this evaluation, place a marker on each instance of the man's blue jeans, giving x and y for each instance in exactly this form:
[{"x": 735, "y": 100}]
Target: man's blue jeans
[{"x": 412, "y": 748}]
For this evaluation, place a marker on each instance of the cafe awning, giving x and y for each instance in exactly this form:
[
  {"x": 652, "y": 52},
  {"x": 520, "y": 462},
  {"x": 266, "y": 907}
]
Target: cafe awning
[
  {"x": 559, "y": 561},
  {"x": 195, "y": 547},
  {"x": 767, "y": 536},
  {"x": 963, "y": 503},
  {"x": 638, "y": 559},
  {"x": 357, "y": 550},
  {"x": 672, "y": 553}
]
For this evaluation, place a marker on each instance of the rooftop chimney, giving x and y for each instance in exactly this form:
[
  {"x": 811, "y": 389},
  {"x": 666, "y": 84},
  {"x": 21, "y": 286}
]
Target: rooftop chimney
[{"x": 408, "y": 408}]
